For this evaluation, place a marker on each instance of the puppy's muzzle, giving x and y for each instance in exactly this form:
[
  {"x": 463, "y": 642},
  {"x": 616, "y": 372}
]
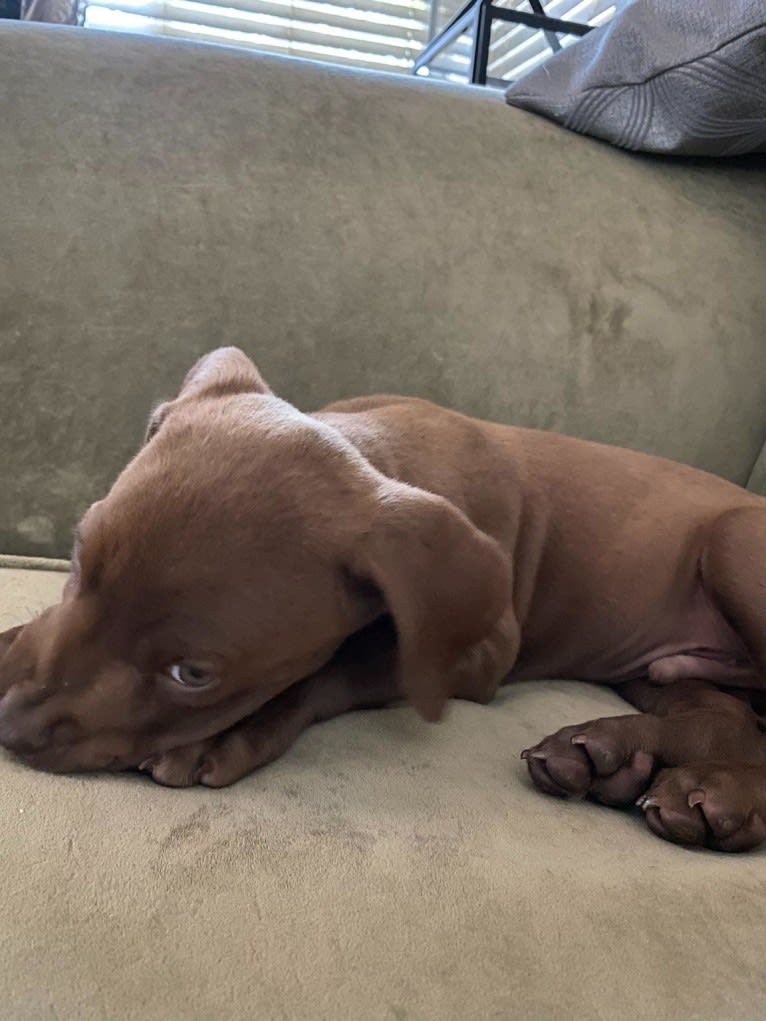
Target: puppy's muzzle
[{"x": 29, "y": 724}]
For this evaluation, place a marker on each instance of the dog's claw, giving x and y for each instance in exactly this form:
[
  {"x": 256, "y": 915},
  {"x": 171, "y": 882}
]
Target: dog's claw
[
  {"x": 646, "y": 802},
  {"x": 533, "y": 753},
  {"x": 203, "y": 766},
  {"x": 696, "y": 797}
]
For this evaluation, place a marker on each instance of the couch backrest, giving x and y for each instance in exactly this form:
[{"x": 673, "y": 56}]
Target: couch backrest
[{"x": 355, "y": 233}]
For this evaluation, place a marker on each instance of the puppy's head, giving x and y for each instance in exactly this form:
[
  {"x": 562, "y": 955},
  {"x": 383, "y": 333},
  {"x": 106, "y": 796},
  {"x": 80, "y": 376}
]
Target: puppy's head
[{"x": 241, "y": 546}]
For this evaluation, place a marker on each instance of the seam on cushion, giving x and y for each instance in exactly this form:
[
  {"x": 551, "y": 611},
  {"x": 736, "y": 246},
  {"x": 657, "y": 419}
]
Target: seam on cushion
[{"x": 33, "y": 563}]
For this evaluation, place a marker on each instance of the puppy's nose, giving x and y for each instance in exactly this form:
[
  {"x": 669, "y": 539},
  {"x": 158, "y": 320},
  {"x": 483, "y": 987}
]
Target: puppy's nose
[{"x": 23, "y": 728}]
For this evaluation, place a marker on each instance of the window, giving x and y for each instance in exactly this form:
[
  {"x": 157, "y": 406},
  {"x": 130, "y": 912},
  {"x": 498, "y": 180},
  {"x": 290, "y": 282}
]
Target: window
[
  {"x": 385, "y": 35},
  {"x": 514, "y": 49}
]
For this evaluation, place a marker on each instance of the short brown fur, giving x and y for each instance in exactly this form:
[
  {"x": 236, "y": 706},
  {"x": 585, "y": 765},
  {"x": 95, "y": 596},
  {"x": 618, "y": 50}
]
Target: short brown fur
[{"x": 297, "y": 566}]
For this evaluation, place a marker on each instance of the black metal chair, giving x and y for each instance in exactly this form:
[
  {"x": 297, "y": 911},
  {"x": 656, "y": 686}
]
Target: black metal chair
[{"x": 478, "y": 15}]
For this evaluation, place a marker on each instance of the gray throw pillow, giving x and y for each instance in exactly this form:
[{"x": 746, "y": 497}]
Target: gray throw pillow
[{"x": 684, "y": 77}]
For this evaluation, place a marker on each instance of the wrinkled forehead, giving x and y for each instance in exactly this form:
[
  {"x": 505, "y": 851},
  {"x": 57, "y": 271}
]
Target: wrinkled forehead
[
  {"x": 156, "y": 574},
  {"x": 239, "y": 508},
  {"x": 222, "y": 472},
  {"x": 195, "y": 593},
  {"x": 213, "y": 459},
  {"x": 149, "y": 622},
  {"x": 247, "y": 445}
]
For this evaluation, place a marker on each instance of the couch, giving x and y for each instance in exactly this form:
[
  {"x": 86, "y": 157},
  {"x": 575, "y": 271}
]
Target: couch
[{"x": 355, "y": 233}]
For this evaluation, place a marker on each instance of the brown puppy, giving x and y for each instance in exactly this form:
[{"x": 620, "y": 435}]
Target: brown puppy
[{"x": 255, "y": 569}]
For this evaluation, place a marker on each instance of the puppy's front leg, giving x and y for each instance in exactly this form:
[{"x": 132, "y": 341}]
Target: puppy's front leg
[
  {"x": 707, "y": 744},
  {"x": 361, "y": 676},
  {"x": 613, "y": 759}
]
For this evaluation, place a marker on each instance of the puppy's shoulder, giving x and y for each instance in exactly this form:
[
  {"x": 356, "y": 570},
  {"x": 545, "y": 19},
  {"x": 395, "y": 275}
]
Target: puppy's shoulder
[{"x": 376, "y": 402}]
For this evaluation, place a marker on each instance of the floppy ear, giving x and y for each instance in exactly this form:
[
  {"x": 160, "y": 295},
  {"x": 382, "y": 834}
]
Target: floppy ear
[
  {"x": 445, "y": 584},
  {"x": 227, "y": 370},
  {"x": 222, "y": 372}
]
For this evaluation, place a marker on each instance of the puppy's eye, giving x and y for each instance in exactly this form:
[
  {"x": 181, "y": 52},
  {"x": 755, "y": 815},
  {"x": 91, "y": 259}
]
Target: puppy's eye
[{"x": 189, "y": 675}]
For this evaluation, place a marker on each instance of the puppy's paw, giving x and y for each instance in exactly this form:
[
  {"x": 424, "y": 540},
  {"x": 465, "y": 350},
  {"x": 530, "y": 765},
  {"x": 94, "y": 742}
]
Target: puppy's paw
[
  {"x": 602, "y": 759},
  {"x": 245, "y": 748},
  {"x": 717, "y": 805},
  {"x": 180, "y": 767},
  {"x": 225, "y": 758},
  {"x": 228, "y": 759}
]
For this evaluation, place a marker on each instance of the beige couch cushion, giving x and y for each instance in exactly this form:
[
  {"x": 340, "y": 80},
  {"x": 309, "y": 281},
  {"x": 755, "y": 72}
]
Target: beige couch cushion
[{"x": 383, "y": 869}]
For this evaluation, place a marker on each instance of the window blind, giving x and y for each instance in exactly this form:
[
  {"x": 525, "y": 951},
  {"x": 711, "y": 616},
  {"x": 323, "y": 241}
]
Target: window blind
[{"x": 384, "y": 35}]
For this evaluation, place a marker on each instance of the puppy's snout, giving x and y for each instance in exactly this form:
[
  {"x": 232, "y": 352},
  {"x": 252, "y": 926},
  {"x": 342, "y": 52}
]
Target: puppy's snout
[
  {"x": 27, "y": 725},
  {"x": 15, "y": 733}
]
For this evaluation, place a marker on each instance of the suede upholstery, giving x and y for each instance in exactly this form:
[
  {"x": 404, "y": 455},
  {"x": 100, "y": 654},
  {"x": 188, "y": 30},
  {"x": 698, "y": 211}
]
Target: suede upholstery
[
  {"x": 383, "y": 869},
  {"x": 355, "y": 233}
]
